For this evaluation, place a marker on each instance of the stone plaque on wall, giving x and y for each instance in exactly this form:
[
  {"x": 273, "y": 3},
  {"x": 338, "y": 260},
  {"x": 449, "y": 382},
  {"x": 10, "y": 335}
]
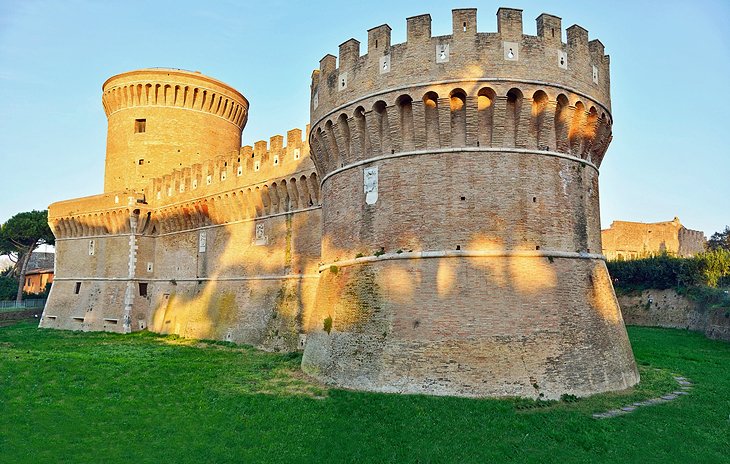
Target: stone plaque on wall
[{"x": 370, "y": 177}]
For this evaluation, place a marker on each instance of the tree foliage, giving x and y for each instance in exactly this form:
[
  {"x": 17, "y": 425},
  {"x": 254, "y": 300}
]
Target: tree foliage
[
  {"x": 21, "y": 234},
  {"x": 720, "y": 240},
  {"x": 711, "y": 268},
  {"x": 25, "y": 230},
  {"x": 8, "y": 288}
]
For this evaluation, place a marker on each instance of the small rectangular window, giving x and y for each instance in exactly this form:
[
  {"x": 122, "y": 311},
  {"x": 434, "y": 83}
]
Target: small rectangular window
[
  {"x": 143, "y": 289},
  {"x": 140, "y": 125},
  {"x": 78, "y": 288},
  {"x": 140, "y": 162}
]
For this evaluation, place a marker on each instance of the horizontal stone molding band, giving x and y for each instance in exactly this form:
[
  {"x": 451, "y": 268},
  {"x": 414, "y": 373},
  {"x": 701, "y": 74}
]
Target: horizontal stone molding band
[
  {"x": 240, "y": 221},
  {"x": 190, "y": 279},
  {"x": 463, "y": 254},
  {"x": 212, "y": 226},
  {"x": 441, "y": 151},
  {"x": 87, "y": 237},
  {"x": 332, "y": 113}
]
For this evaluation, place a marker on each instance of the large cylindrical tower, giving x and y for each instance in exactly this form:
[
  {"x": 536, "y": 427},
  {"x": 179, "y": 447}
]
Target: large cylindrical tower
[
  {"x": 461, "y": 234},
  {"x": 161, "y": 119}
]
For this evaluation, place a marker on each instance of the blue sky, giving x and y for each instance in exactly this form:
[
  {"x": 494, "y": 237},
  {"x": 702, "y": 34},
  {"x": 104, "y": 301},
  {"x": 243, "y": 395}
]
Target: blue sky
[{"x": 670, "y": 70}]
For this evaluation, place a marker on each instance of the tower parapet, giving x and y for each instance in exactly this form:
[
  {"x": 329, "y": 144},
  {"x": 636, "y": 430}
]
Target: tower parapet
[
  {"x": 460, "y": 210},
  {"x": 161, "y": 119}
]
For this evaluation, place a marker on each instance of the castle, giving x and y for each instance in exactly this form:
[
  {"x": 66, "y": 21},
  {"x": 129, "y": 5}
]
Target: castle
[
  {"x": 632, "y": 240},
  {"x": 442, "y": 236}
]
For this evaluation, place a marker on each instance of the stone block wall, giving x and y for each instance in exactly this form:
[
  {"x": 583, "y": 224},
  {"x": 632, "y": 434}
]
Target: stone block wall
[
  {"x": 632, "y": 240},
  {"x": 667, "y": 308}
]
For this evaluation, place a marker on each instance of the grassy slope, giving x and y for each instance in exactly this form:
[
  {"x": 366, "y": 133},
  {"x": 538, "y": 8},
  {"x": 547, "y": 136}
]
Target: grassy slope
[{"x": 94, "y": 397}]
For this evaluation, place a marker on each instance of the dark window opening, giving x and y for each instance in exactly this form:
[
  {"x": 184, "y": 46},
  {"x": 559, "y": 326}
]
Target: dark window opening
[
  {"x": 140, "y": 125},
  {"x": 78, "y": 288},
  {"x": 537, "y": 247},
  {"x": 458, "y": 247},
  {"x": 463, "y": 198},
  {"x": 140, "y": 162},
  {"x": 143, "y": 289},
  {"x": 534, "y": 199}
]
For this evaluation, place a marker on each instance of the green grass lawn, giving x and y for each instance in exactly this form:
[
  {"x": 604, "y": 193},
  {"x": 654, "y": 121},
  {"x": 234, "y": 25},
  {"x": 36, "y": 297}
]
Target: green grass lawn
[{"x": 96, "y": 397}]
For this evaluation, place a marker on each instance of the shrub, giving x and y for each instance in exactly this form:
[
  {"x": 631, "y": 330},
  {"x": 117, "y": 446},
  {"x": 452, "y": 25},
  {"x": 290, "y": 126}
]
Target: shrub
[
  {"x": 711, "y": 268},
  {"x": 8, "y": 288},
  {"x": 328, "y": 324}
]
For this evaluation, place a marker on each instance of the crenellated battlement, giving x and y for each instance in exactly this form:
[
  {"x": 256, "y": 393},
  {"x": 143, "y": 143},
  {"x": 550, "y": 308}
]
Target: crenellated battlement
[
  {"x": 251, "y": 165},
  {"x": 465, "y": 90},
  {"x": 578, "y": 66},
  {"x": 265, "y": 179},
  {"x": 174, "y": 88}
]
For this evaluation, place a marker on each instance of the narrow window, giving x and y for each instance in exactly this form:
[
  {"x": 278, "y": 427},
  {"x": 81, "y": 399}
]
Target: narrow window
[
  {"x": 143, "y": 289},
  {"x": 140, "y": 125},
  {"x": 78, "y": 288},
  {"x": 140, "y": 162}
]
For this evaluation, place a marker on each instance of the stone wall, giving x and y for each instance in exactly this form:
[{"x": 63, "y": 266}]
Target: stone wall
[
  {"x": 666, "y": 308},
  {"x": 632, "y": 240},
  {"x": 8, "y": 317}
]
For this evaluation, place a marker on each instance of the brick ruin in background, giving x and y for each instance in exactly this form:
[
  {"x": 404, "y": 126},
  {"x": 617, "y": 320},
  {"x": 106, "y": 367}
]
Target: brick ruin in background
[
  {"x": 442, "y": 237},
  {"x": 635, "y": 240}
]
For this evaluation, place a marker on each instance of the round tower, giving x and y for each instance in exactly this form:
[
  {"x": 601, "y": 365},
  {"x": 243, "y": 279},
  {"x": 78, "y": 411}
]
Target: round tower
[
  {"x": 461, "y": 241},
  {"x": 161, "y": 119}
]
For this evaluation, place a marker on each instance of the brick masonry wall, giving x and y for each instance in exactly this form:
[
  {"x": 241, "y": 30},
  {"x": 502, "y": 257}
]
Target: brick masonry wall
[
  {"x": 666, "y": 308},
  {"x": 475, "y": 172},
  {"x": 238, "y": 289},
  {"x": 188, "y": 117},
  {"x": 471, "y": 327}
]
